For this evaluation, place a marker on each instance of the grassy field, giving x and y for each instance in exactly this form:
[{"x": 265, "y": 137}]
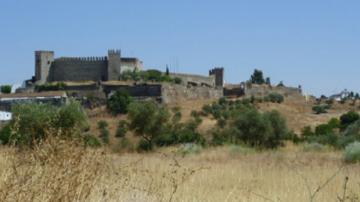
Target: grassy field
[{"x": 60, "y": 171}]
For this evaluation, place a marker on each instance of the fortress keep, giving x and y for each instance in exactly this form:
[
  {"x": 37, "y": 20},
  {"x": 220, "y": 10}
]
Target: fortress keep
[{"x": 50, "y": 69}]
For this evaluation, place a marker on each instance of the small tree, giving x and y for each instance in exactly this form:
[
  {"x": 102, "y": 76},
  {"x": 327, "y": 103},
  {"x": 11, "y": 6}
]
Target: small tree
[
  {"x": 118, "y": 102},
  {"x": 281, "y": 84},
  {"x": 6, "y": 89},
  {"x": 267, "y": 81},
  {"x": 122, "y": 129},
  {"x": 167, "y": 71},
  {"x": 257, "y": 77},
  {"x": 104, "y": 132},
  {"x": 148, "y": 120}
]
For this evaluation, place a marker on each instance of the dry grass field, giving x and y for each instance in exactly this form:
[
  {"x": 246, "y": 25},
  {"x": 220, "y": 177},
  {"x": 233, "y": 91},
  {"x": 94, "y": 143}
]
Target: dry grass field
[{"x": 62, "y": 171}]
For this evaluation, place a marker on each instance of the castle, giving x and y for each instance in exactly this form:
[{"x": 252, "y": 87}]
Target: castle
[{"x": 51, "y": 69}]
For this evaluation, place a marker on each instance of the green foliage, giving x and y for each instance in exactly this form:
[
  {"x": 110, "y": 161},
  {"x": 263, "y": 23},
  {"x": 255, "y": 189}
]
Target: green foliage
[
  {"x": 91, "y": 141},
  {"x": 352, "y": 152},
  {"x": 275, "y": 98},
  {"x": 149, "y": 75},
  {"x": 34, "y": 122},
  {"x": 6, "y": 89},
  {"x": 121, "y": 129},
  {"x": 102, "y": 124},
  {"x": 104, "y": 132},
  {"x": 144, "y": 145},
  {"x": 5, "y": 133},
  {"x": 281, "y": 84},
  {"x": 240, "y": 122},
  {"x": 307, "y": 132},
  {"x": 118, "y": 103},
  {"x": 267, "y": 81},
  {"x": 177, "y": 80},
  {"x": 148, "y": 120},
  {"x": 257, "y": 77},
  {"x": 51, "y": 87},
  {"x": 348, "y": 119},
  {"x": 320, "y": 109}
]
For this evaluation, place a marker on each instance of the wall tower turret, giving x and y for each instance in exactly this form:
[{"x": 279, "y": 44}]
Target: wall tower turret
[
  {"x": 114, "y": 65},
  {"x": 43, "y": 61}
]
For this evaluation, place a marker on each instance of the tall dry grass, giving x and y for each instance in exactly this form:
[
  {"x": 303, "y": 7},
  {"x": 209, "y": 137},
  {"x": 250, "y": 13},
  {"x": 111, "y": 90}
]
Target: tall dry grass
[{"x": 58, "y": 170}]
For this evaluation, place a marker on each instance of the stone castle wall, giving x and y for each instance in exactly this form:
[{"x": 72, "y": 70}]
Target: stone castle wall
[
  {"x": 195, "y": 79},
  {"x": 78, "y": 69},
  {"x": 264, "y": 90},
  {"x": 177, "y": 93}
]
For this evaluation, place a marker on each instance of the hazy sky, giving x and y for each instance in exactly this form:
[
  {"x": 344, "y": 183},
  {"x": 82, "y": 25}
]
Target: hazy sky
[{"x": 315, "y": 43}]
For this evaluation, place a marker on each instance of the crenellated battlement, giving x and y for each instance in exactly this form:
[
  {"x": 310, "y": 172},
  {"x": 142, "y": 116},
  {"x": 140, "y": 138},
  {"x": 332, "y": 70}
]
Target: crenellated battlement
[
  {"x": 81, "y": 59},
  {"x": 114, "y": 52}
]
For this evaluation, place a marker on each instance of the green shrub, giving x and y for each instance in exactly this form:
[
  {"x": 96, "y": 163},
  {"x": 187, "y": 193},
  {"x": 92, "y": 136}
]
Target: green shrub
[
  {"x": 320, "y": 109},
  {"x": 343, "y": 141},
  {"x": 352, "y": 152},
  {"x": 6, "y": 89},
  {"x": 177, "y": 80},
  {"x": 144, "y": 145},
  {"x": 5, "y": 134},
  {"x": 148, "y": 120},
  {"x": 275, "y": 98},
  {"x": 34, "y": 122},
  {"x": 121, "y": 129},
  {"x": 307, "y": 132},
  {"x": 91, "y": 141},
  {"x": 104, "y": 132},
  {"x": 348, "y": 119},
  {"x": 260, "y": 130},
  {"x": 118, "y": 103},
  {"x": 102, "y": 124},
  {"x": 51, "y": 87}
]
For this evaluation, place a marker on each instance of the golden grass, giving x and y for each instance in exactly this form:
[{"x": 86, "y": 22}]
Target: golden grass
[{"x": 62, "y": 171}]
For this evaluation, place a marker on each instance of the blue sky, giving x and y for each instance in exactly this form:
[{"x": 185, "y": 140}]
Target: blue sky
[{"x": 315, "y": 43}]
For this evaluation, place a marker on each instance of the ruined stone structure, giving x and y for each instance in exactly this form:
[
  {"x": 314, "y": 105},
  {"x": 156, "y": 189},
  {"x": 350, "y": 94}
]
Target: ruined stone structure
[
  {"x": 215, "y": 78},
  {"x": 218, "y": 73},
  {"x": 50, "y": 69}
]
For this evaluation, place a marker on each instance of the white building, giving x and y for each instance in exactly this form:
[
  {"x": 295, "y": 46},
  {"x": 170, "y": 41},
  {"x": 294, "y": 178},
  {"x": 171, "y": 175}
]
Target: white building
[{"x": 5, "y": 116}]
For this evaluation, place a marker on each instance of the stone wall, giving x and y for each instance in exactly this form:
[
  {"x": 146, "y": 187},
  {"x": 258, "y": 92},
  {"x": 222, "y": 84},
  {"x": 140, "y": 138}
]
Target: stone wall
[
  {"x": 264, "y": 90},
  {"x": 172, "y": 93},
  {"x": 72, "y": 69},
  {"x": 198, "y": 80}
]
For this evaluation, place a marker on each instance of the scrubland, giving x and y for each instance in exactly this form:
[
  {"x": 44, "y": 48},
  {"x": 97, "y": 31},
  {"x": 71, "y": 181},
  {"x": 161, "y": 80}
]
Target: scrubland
[{"x": 63, "y": 171}]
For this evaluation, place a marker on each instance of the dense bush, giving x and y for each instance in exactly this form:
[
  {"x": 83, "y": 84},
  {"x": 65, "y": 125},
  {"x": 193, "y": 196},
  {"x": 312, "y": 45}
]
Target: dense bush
[
  {"x": 257, "y": 77},
  {"x": 148, "y": 120},
  {"x": 91, "y": 141},
  {"x": 121, "y": 129},
  {"x": 159, "y": 127},
  {"x": 104, "y": 132},
  {"x": 275, "y": 98},
  {"x": 149, "y": 75},
  {"x": 6, "y": 89},
  {"x": 118, "y": 103},
  {"x": 352, "y": 152},
  {"x": 240, "y": 122},
  {"x": 320, "y": 109},
  {"x": 35, "y": 122},
  {"x": 51, "y": 87},
  {"x": 348, "y": 119}
]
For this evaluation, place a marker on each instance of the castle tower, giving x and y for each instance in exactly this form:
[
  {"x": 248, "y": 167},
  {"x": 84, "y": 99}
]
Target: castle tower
[
  {"x": 218, "y": 72},
  {"x": 114, "y": 65},
  {"x": 43, "y": 61}
]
